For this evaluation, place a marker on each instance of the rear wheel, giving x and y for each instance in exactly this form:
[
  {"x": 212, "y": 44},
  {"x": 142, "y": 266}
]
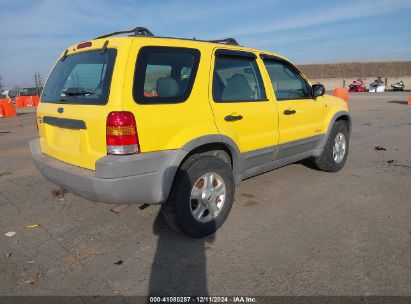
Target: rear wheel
[
  {"x": 335, "y": 152},
  {"x": 201, "y": 197}
]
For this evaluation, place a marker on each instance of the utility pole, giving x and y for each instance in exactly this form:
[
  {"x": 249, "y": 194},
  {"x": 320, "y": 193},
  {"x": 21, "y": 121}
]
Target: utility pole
[
  {"x": 38, "y": 82},
  {"x": 1, "y": 83}
]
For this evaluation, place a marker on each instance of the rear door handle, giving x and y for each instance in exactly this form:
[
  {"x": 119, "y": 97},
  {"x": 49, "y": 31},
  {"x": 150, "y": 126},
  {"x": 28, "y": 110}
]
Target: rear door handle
[
  {"x": 289, "y": 112},
  {"x": 233, "y": 117}
]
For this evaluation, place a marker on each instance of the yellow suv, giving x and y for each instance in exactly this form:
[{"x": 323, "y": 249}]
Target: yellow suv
[{"x": 150, "y": 120}]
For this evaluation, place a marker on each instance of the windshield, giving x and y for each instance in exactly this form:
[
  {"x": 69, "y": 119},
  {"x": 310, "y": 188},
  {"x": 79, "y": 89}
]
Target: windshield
[{"x": 82, "y": 78}]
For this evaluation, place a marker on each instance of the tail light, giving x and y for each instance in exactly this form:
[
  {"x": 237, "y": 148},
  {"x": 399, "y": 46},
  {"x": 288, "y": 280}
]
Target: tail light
[{"x": 121, "y": 134}]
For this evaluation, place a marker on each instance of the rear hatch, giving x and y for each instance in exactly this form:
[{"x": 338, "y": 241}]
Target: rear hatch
[{"x": 81, "y": 90}]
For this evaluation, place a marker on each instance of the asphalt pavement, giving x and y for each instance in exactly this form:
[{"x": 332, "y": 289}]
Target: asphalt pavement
[{"x": 292, "y": 231}]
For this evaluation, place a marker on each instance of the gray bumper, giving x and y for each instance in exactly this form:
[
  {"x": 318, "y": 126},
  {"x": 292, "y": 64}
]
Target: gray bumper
[{"x": 144, "y": 178}]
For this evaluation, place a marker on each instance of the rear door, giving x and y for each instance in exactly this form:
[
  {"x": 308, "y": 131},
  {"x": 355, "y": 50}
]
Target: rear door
[
  {"x": 80, "y": 92},
  {"x": 300, "y": 115},
  {"x": 240, "y": 104},
  {"x": 166, "y": 90}
]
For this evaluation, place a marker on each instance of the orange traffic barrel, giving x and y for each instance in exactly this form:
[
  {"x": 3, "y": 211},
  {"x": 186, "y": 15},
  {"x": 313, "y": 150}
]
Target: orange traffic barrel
[
  {"x": 7, "y": 107},
  {"x": 341, "y": 93},
  {"x": 20, "y": 101},
  {"x": 31, "y": 101},
  {"x": 409, "y": 100},
  {"x": 28, "y": 102},
  {"x": 36, "y": 100}
]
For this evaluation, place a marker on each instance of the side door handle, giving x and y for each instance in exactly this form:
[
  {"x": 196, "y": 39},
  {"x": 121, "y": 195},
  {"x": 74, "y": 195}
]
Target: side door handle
[
  {"x": 289, "y": 112},
  {"x": 233, "y": 117}
]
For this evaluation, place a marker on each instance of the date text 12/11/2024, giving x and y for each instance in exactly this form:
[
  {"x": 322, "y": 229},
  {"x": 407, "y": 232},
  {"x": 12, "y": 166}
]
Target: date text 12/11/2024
[{"x": 207, "y": 299}]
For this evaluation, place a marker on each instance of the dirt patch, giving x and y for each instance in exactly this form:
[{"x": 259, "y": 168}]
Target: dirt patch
[
  {"x": 84, "y": 253},
  {"x": 34, "y": 278},
  {"x": 4, "y": 174},
  {"x": 250, "y": 204},
  {"x": 15, "y": 152},
  {"x": 248, "y": 195}
]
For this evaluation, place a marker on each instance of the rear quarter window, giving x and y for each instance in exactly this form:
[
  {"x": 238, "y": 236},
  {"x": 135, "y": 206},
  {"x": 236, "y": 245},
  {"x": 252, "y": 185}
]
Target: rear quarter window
[
  {"x": 82, "y": 78},
  {"x": 164, "y": 74}
]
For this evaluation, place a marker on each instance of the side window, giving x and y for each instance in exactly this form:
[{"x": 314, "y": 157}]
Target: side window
[
  {"x": 237, "y": 79},
  {"x": 288, "y": 84},
  {"x": 164, "y": 74}
]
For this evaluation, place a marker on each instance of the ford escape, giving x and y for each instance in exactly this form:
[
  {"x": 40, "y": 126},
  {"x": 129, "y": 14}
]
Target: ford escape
[{"x": 150, "y": 120}]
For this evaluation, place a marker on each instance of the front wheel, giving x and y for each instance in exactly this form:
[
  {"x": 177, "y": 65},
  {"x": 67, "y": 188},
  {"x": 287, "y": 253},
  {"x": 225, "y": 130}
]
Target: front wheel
[
  {"x": 335, "y": 152},
  {"x": 201, "y": 196}
]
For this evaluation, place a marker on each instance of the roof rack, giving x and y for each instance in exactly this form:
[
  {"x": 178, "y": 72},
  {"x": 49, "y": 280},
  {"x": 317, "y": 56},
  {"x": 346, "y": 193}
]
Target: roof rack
[
  {"x": 138, "y": 31},
  {"x": 231, "y": 41},
  {"x": 142, "y": 31}
]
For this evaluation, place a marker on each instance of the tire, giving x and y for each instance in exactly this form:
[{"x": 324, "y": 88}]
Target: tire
[
  {"x": 193, "y": 178},
  {"x": 328, "y": 161}
]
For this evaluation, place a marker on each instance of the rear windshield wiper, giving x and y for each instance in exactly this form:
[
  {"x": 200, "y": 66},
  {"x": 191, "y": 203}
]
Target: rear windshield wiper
[{"x": 72, "y": 93}]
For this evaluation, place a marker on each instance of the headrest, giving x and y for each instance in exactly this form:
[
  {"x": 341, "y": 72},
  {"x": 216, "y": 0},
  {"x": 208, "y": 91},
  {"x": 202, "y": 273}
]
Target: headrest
[
  {"x": 167, "y": 87},
  {"x": 237, "y": 88}
]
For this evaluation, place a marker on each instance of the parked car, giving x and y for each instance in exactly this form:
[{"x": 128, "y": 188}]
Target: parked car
[
  {"x": 399, "y": 86},
  {"x": 377, "y": 86},
  {"x": 33, "y": 91},
  {"x": 357, "y": 86},
  {"x": 217, "y": 113}
]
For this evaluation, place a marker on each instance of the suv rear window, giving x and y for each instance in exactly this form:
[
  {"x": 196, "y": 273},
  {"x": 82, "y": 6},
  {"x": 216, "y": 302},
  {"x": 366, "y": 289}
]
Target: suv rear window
[
  {"x": 82, "y": 78},
  {"x": 164, "y": 74}
]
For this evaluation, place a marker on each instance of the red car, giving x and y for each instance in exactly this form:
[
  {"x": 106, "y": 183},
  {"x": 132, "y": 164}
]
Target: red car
[{"x": 357, "y": 86}]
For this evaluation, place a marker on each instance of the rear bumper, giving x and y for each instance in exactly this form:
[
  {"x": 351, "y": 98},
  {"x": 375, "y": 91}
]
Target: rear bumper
[{"x": 144, "y": 178}]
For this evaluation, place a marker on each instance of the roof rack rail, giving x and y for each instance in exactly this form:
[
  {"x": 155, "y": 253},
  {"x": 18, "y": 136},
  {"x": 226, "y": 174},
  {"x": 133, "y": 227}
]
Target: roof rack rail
[
  {"x": 231, "y": 41},
  {"x": 138, "y": 31},
  {"x": 143, "y": 31}
]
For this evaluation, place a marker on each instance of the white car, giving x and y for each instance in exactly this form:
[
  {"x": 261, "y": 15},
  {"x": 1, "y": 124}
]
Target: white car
[{"x": 377, "y": 86}]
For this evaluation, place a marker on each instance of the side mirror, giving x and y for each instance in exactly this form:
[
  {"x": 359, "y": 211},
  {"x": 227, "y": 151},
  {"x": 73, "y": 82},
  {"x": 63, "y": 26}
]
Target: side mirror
[{"x": 318, "y": 90}]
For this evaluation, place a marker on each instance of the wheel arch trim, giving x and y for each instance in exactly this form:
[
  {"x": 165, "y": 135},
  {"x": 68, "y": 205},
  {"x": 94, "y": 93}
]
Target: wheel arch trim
[
  {"x": 335, "y": 117},
  {"x": 219, "y": 139}
]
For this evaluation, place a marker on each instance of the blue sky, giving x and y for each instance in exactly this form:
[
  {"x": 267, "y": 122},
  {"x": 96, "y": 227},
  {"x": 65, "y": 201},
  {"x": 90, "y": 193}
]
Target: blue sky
[{"x": 34, "y": 33}]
